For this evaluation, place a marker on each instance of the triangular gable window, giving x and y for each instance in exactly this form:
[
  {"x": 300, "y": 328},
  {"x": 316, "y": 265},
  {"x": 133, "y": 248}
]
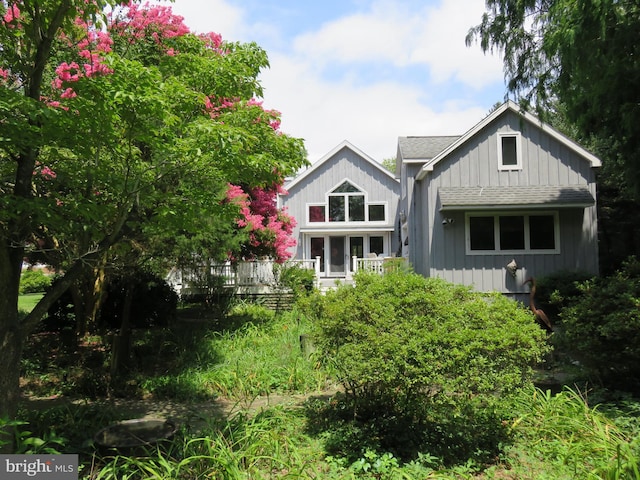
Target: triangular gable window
[{"x": 346, "y": 187}]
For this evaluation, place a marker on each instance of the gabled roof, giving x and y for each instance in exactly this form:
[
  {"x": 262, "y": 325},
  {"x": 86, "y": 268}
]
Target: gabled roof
[
  {"x": 509, "y": 105},
  {"x": 423, "y": 148},
  {"x": 345, "y": 144}
]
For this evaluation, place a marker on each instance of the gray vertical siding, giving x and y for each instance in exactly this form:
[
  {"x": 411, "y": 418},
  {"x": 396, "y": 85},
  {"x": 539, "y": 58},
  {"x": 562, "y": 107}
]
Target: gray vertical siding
[
  {"x": 546, "y": 161},
  {"x": 345, "y": 164}
]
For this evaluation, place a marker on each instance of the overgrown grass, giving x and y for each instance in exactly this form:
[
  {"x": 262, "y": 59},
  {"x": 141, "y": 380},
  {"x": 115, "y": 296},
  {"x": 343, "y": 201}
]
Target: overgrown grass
[{"x": 254, "y": 352}]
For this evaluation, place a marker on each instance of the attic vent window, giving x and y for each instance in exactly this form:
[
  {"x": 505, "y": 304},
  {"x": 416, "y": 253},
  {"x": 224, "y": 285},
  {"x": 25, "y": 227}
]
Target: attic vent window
[{"x": 509, "y": 151}]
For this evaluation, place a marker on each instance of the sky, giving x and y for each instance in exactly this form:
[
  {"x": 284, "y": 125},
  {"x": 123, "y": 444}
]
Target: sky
[{"x": 365, "y": 71}]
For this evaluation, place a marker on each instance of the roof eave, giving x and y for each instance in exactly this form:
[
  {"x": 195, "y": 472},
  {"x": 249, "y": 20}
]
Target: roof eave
[{"x": 519, "y": 206}]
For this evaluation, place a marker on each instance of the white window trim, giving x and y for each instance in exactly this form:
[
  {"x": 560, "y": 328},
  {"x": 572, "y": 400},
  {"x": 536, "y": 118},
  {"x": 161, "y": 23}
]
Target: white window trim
[
  {"x": 385, "y": 205},
  {"x": 323, "y": 205},
  {"x": 496, "y": 229},
  {"x": 518, "y": 165},
  {"x": 346, "y": 222}
]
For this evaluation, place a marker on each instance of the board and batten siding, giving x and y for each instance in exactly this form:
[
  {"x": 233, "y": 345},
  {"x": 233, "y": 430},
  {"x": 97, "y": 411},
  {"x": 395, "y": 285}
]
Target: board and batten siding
[
  {"x": 546, "y": 161},
  {"x": 345, "y": 164}
]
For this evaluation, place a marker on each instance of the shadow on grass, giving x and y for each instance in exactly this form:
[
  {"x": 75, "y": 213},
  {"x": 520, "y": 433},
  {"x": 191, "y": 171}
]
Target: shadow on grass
[
  {"x": 165, "y": 362},
  {"x": 435, "y": 432}
]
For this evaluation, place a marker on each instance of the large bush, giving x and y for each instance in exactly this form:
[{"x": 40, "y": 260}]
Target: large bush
[
  {"x": 424, "y": 359},
  {"x": 34, "y": 281},
  {"x": 154, "y": 303},
  {"x": 601, "y": 326}
]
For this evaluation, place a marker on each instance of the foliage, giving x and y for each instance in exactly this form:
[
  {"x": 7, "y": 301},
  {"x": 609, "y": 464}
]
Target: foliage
[
  {"x": 268, "y": 226},
  {"x": 551, "y": 50},
  {"x": 600, "y": 326},
  {"x": 412, "y": 352},
  {"x": 573, "y": 439},
  {"x": 256, "y": 353},
  {"x": 544, "y": 436},
  {"x": 155, "y": 301},
  {"x": 557, "y": 290},
  {"x": 26, "y": 442},
  {"x": 120, "y": 134},
  {"x": 300, "y": 280},
  {"x": 34, "y": 281}
]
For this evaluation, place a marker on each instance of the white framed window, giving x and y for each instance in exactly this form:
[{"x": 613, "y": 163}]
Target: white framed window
[
  {"x": 512, "y": 232},
  {"x": 346, "y": 203},
  {"x": 316, "y": 213},
  {"x": 509, "y": 151}
]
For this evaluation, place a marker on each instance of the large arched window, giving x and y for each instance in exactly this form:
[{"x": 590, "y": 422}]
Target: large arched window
[{"x": 346, "y": 203}]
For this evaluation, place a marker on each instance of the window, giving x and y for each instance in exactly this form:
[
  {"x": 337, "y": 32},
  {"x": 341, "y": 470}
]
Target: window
[
  {"x": 509, "y": 152},
  {"x": 346, "y": 203},
  {"x": 336, "y": 209},
  {"x": 376, "y": 245},
  {"x": 317, "y": 213},
  {"x": 512, "y": 232},
  {"x": 376, "y": 213}
]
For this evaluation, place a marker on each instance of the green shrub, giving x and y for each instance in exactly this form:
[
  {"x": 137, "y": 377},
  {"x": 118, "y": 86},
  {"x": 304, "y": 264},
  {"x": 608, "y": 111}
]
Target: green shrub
[
  {"x": 558, "y": 290},
  {"x": 154, "y": 304},
  {"x": 34, "y": 281},
  {"x": 601, "y": 328},
  {"x": 299, "y": 280},
  {"x": 424, "y": 359}
]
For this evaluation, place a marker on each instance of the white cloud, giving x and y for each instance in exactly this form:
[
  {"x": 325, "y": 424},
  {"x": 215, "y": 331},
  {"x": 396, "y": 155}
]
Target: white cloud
[
  {"x": 205, "y": 16},
  {"x": 390, "y": 68},
  {"x": 441, "y": 44},
  {"x": 371, "y": 117},
  {"x": 433, "y": 37}
]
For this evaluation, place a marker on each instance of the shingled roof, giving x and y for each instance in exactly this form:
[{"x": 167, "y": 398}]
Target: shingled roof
[
  {"x": 465, "y": 198},
  {"x": 423, "y": 148}
]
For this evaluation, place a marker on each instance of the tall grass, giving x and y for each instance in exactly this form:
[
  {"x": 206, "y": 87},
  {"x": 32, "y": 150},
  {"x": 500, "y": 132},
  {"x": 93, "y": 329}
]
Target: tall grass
[
  {"x": 261, "y": 355},
  {"x": 256, "y": 353},
  {"x": 564, "y": 435},
  {"x": 268, "y": 445}
]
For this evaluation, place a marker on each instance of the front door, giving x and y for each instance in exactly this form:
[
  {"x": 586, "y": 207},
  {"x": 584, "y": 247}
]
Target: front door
[{"x": 337, "y": 257}]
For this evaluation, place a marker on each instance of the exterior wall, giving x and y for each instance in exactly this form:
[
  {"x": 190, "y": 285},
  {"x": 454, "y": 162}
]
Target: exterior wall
[
  {"x": 418, "y": 231},
  {"x": 545, "y": 162},
  {"x": 345, "y": 164}
]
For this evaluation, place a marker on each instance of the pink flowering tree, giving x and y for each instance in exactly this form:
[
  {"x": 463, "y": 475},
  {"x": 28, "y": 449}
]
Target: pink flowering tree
[
  {"x": 122, "y": 132},
  {"x": 266, "y": 228}
]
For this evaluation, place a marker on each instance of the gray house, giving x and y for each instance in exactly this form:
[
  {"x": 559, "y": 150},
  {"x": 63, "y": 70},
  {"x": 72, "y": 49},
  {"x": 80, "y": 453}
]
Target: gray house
[
  {"x": 346, "y": 207},
  {"x": 509, "y": 199}
]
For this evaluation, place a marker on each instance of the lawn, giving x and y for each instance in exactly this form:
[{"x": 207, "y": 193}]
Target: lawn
[{"x": 28, "y": 301}]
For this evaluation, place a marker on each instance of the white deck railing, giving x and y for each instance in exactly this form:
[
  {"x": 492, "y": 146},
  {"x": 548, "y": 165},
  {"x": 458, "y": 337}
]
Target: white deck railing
[
  {"x": 241, "y": 274},
  {"x": 256, "y": 273}
]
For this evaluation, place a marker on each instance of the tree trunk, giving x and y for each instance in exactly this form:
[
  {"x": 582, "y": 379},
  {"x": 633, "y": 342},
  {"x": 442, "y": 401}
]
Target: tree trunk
[
  {"x": 121, "y": 348},
  {"x": 10, "y": 354}
]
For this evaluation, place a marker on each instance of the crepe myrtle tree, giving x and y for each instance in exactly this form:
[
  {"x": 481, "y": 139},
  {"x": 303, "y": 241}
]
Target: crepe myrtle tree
[
  {"x": 119, "y": 130},
  {"x": 268, "y": 227}
]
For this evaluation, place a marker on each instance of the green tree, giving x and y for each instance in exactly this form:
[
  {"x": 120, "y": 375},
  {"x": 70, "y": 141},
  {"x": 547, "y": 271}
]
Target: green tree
[
  {"x": 583, "y": 54},
  {"x": 119, "y": 134}
]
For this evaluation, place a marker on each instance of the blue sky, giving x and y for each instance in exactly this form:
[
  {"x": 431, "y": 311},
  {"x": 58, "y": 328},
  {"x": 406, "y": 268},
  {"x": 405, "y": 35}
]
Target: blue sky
[{"x": 366, "y": 71}]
